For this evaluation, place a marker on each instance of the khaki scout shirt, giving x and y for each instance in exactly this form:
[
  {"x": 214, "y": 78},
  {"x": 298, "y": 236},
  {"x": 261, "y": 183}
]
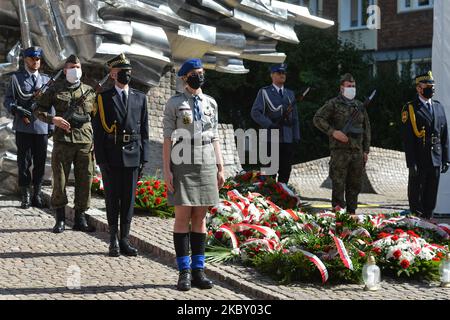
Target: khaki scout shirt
[
  {"x": 60, "y": 96},
  {"x": 179, "y": 114},
  {"x": 334, "y": 116}
]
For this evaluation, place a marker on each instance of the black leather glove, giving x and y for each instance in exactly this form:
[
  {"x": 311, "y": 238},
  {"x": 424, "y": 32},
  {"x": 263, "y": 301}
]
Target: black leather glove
[
  {"x": 50, "y": 133},
  {"x": 444, "y": 168}
]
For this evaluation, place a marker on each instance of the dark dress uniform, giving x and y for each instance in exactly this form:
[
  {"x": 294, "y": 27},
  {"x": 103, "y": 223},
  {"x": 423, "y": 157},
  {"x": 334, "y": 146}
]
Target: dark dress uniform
[
  {"x": 425, "y": 139},
  {"x": 121, "y": 146},
  {"x": 273, "y": 109},
  {"x": 31, "y": 135}
]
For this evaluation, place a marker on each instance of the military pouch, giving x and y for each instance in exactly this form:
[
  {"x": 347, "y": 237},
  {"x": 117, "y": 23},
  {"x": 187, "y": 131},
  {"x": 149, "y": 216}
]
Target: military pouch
[{"x": 78, "y": 120}]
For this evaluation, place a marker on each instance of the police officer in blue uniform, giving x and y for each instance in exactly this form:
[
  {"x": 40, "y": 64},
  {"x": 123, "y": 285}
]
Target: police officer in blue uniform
[
  {"x": 275, "y": 107},
  {"x": 31, "y": 133},
  {"x": 121, "y": 147},
  {"x": 425, "y": 139}
]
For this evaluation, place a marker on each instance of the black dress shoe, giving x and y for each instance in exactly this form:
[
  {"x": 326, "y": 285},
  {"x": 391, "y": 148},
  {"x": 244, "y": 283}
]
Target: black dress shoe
[
  {"x": 184, "y": 280},
  {"x": 37, "y": 201},
  {"x": 81, "y": 223},
  {"x": 200, "y": 280},
  {"x": 26, "y": 197},
  {"x": 60, "y": 220},
  {"x": 127, "y": 249}
]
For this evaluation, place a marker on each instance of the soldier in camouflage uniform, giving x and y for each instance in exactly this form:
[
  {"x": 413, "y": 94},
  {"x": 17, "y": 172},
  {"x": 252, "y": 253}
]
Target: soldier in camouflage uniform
[
  {"x": 349, "y": 153},
  {"x": 72, "y": 142}
]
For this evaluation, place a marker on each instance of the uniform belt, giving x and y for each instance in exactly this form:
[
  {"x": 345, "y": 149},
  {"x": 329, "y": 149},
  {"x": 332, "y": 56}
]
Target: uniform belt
[
  {"x": 434, "y": 140},
  {"x": 193, "y": 141},
  {"x": 124, "y": 137}
]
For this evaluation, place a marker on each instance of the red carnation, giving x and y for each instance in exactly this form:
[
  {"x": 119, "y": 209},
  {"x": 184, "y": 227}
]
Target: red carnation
[
  {"x": 139, "y": 183},
  {"x": 157, "y": 184},
  {"x": 440, "y": 254},
  {"x": 397, "y": 254},
  {"x": 141, "y": 191},
  {"x": 398, "y": 231},
  {"x": 278, "y": 234},
  {"x": 273, "y": 218},
  {"x": 151, "y": 192},
  {"x": 377, "y": 250},
  {"x": 395, "y": 237},
  {"x": 361, "y": 254},
  {"x": 218, "y": 235},
  {"x": 164, "y": 194},
  {"x": 147, "y": 183},
  {"x": 412, "y": 234},
  {"x": 436, "y": 259},
  {"x": 158, "y": 200},
  {"x": 267, "y": 224},
  {"x": 149, "y": 188},
  {"x": 145, "y": 199},
  {"x": 404, "y": 263}
]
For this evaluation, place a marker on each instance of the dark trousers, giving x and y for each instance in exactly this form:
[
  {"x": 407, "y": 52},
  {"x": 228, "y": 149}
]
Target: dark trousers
[
  {"x": 120, "y": 187},
  {"x": 422, "y": 190},
  {"x": 31, "y": 150},
  {"x": 285, "y": 159}
]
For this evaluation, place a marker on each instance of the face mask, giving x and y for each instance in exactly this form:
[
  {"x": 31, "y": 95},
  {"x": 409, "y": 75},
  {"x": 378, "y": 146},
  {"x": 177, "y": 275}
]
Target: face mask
[
  {"x": 124, "y": 76},
  {"x": 195, "y": 80},
  {"x": 73, "y": 75},
  {"x": 349, "y": 93},
  {"x": 428, "y": 92}
]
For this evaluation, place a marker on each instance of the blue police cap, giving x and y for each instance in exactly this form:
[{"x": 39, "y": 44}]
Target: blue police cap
[
  {"x": 188, "y": 65},
  {"x": 33, "y": 52},
  {"x": 279, "y": 68}
]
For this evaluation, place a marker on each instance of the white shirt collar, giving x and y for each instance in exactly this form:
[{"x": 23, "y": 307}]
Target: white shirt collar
[
  {"x": 425, "y": 101},
  {"x": 36, "y": 73},
  {"x": 119, "y": 90},
  {"x": 278, "y": 88}
]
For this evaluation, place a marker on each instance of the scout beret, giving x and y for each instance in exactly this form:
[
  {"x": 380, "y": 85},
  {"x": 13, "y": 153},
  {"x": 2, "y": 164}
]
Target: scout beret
[
  {"x": 282, "y": 67},
  {"x": 188, "y": 65},
  {"x": 120, "y": 61},
  {"x": 425, "y": 78},
  {"x": 33, "y": 52}
]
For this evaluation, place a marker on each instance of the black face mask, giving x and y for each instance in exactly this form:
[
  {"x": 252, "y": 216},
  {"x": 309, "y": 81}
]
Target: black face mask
[
  {"x": 124, "y": 76},
  {"x": 428, "y": 92},
  {"x": 195, "y": 80}
]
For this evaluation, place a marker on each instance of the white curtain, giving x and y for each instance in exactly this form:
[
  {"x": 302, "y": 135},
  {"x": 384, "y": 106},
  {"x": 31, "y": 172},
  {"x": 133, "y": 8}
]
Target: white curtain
[{"x": 441, "y": 74}]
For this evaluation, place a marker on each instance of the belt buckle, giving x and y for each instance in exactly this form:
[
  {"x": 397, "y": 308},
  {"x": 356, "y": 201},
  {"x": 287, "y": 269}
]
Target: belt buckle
[
  {"x": 434, "y": 140},
  {"x": 126, "y": 138}
]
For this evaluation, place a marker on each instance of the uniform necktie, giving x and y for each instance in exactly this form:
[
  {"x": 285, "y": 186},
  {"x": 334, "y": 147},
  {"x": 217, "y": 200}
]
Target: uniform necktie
[
  {"x": 430, "y": 109},
  {"x": 33, "y": 77},
  {"x": 197, "y": 114},
  {"x": 281, "y": 92},
  {"x": 124, "y": 98}
]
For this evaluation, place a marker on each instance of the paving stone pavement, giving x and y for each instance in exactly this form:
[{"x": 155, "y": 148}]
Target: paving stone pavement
[
  {"x": 155, "y": 235},
  {"x": 37, "y": 264}
]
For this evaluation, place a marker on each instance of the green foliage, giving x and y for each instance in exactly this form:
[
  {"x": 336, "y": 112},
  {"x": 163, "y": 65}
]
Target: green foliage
[{"x": 318, "y": 61}]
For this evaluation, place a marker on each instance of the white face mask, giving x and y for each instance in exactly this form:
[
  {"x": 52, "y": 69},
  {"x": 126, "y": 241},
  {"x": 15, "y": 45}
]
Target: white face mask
[
  {"x": 349, "y": 93},
  {"x": 73, "y": 75}
]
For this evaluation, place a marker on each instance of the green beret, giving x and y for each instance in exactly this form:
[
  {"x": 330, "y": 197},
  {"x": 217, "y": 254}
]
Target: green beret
[
  {"x": 73, "y": 59},
  {"x": 347, "y": 77}
]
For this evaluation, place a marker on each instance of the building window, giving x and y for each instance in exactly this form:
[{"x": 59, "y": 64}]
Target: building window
[
  {"x": 412, "y": 68},
  {"x": 315, "y": 6},
  {"x": 353, "y": 14},
  {"x": 414, "y": 5}
]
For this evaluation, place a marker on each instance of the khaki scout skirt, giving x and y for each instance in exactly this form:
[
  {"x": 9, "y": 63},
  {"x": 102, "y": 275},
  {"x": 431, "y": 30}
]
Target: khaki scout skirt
[{"x": 195, "y": 179}]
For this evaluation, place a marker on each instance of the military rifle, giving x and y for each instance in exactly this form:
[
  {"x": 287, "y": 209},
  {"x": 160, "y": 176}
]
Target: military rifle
[{"x": 348, "y": 128}]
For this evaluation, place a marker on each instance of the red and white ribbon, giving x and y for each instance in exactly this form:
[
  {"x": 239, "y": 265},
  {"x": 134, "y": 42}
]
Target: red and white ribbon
[
  {"x": 318, "y": 263},
  {"x": 274, "y": 206},
  {"x": 289, "y": 213},
  {"x": 361, "y": 231},
  {"x": 444, "y": 227},
  {"x": 343, "y": 253},
  {"x": 235, "y": 195},
  {"x": 234, "y": 240},
  {"x": 265, "y": 231}
]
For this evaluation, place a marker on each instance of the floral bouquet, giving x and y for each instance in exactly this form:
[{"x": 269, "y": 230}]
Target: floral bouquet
[{"x": 151, "y": 197}]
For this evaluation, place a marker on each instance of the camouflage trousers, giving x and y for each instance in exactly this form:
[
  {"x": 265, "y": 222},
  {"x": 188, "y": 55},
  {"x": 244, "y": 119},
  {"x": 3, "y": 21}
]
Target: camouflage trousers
[
  {"x": 63, "y": 155},
  {"x": 346, "y": 173}
]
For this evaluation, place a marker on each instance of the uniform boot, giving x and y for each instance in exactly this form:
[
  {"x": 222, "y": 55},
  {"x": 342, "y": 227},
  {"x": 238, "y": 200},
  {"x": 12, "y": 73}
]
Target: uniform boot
[
  {"x": 60, "y": 220},
  {"x": 125, "y": 247},
  {"x": 113, "y": 241},
  {"x": 184, "y": 280},
  {"x": 26, "y": 197},
  {"x": 81, "y": 222},
  {"x": 37, "y": 197},
  {"x": 200, "y": 280}
]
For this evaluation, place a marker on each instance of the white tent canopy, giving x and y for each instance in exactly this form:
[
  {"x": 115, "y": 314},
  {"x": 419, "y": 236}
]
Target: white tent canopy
[{"x": 441, "y": 74}]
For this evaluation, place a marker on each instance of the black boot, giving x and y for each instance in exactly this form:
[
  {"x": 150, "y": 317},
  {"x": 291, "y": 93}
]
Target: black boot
[
  {"x": 26, "y": 197},
  {"x": 60, "y": 220},
  {"x": 113, "y": 241},
  {"x": 81, "y": 222},
  {"x": 37, "y": 201},
  {"x": 125, "y": 247},
  {"x": 184, "y": 280},
  {"x": 200, "y": 280}
]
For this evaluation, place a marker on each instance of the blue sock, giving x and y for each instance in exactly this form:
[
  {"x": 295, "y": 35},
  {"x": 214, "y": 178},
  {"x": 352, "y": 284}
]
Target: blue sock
[
  {"x": 198, "y": 262},
  {"x": 183, "y": 263}
]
